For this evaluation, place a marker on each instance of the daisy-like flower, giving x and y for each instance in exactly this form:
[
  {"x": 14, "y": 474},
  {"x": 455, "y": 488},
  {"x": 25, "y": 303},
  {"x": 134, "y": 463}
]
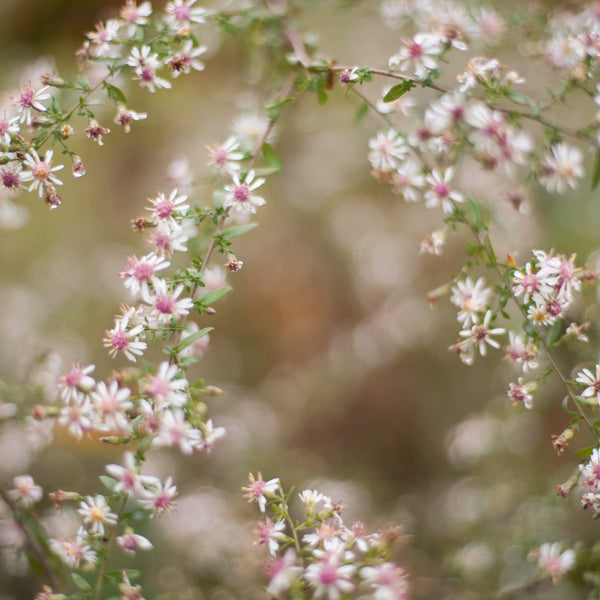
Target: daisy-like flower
[
  {"x": 168, "y": 209},
  {"x": 270, "y": 534},
  {"x": 561, "y": 168},
  {"x": 145, "y": 64},
  {"x": 434, "y": 242},
  {"x": 77, "y": 416},
  {"x": 348, "y": 76},
  {"x": 74, "y": 552},
  {"x": 75, "y": 381},
  {"x": 240, "y": 194},
  {"x": 96, "y": 514},
  {"x": 163, "y": 304},
  {"x": 181, "y": 13},
  {"x": 168, "y": 237},
  {"x": 440, "y": 192},
  {"x": 282, "y": 572},
  {"x": 130, "y": 542},
  {"x": 587, "y": 378},
  {"x": 418, "y": 55},
  {"x": 531, "y": 284},
  {"x": 554, "y": 563},
  {"x": 40, "y": 171},
  {"x": 472, "y": 299},
  {"x": 185, "y": 60},
  {"x": 224, "y": 156},
  {"x": 324, "y": 533},
  {"x": 110, "y": 404},
  {"x": 449, "y": 110},
  {"x": 259, "y": 490},
  {"x": 387, "y": 581},
  {"x": 589, "y": 476},
  {"x": 310, "y": 499},
  {"x": 176, "y": 431},
  {"x": 124, "y": 339},
  {"x": 406, "y": 179},
  {"x": 129, "y": 480},
  {"x": 521, "y": 352},
  {"x": 210, "y": 435},
  {"x": 387, "y": 150},
  {"x": 25, "y": 491},
  {"x": 28, "y": 101},
  {"x": 148, "y": 78},
  {"x": 103, "y": 37},
  {"x": 10, "y": 178},
  {"x": 125, "y": 117},
  {"x": 520, "y": 393},
  {"x": 159, "y": 497},
  {"x": 166, "y": 388},
  {"x": 134, "y": 15},
  {"x": 329, "y": 576},
  {"x": 481, "y": 334},
  {"x": 141, "y": 271},
  {"x": 8, "y": 128}
]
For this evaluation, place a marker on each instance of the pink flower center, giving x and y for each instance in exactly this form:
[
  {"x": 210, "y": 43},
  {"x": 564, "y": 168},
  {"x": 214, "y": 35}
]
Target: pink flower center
[
  {"x": 10, "y": 180},
  {"x": 157, "y": 387},
  {"x": 164, "y": 209},
  {"x": 26, "y": 99},
  {"x": 119, "y": 340},
  {"x": 147, "y": 74},
  {"x": 241, "y": 193},
  {"x": 328, "y": 574},
  {"x": 441, "y": 190},
  {"x": 143, "y": 271},
  {"x": 182, "y": 13},
  {"x": 109, "y": 405},
  {"x": 162, "y": 502},
  {"x": 415, "y": 51},
  {"x": 165, "y": 304},
  {"x": 220, "y": 156},
  {"x": 4, "y": 126},
  {"x": 73, "y": 377}
]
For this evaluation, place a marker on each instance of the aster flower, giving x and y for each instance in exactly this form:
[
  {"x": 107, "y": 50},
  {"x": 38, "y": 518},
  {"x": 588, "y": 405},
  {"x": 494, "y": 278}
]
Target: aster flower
[
  {"x": 25, "y": 491},
  {"x": 418, "y": 55},
  {"x": 406, "y": 179},
  {"x": 521, "y": 351},
  {"x": 224, "y": 156},
  {"x": 472, "y": 298},
  {"x": 74, "y": 552},
  {"x": 103, "y": 37},
  {"x": 168, "y": 237},
  {"x": 330, "y": 576},
  {"x": 141, "y": 271},
  {"x": 270, "y": 534},
  {"x": 282, "y": 572},
  {"x": 77, "y": 416},
  {"x": 95, "y": 131},
  {"x": 110, "y": 404},
  {"x": 40, "y": 171},
  {"x": 125, "y": 117},
  {"x": 585, "y": 377},
  {"x": 520, "y": 393},
  {"x": 96, "y": 514},
  {"x": 185, "y": 60},
  {"x": 130, "y": 542},
  {"x": 210, "y": 435},
  {"x": 134, "y": 15},
  {"x": 8, "y": 128},
  {"x": 387, "y": 151},
  {"x": 128, "y": 479},
  {"x": 387, "y": 581},
  {"x": 175, "y": 430},
  {"x": 181, "y": 13},
  {"x": 561, "y": 168},
  {"x": 168, "y": 209},
  {"x": 554, "y": 563},
  {"x": 240, "y": 195},
  {"x": 481, "y": 334},
  {"x": 163, "y": 304},
  {"x": 440, "y": 192},
  {"x": 259, "y": 490},
  {"x": 123, "y": 338},
  {"x": 159, "y": 497},
  {"x": 75, "y": 381},
  {"x": 28, "y": 101}
]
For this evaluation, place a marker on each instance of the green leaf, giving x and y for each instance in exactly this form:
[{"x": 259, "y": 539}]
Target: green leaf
[
  {"x": 81, "y": 583},
  {"x": 478, "y": 224},
  {"x": 271, "y": 157},
  {"x": 236, "y": 230},
  {"x": 190, "y": 339},
  {"x": 596, "y": 175},
  {"x": 108, "y": 482},
  {"x": 363, "y": 109},
  {"x": 553, "y": 333},
  {"x": 399, "y": 90},
  {"x": 585, "y": 452},
  {"x": 213, "y": 296},
  {"x": 114, "y": 93}
]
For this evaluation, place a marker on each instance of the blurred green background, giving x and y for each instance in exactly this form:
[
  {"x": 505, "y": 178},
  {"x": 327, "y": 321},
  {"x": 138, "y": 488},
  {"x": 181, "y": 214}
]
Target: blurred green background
[{"x": 335, "y": 369}]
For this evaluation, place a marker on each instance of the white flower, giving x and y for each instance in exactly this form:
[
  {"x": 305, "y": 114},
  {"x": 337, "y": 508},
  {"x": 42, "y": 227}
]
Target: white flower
[
  {"x": 553, "y": 563},
  {"x": 561, "y": 168},
  {"x": 96, "y": 514},
  {"x": 240, "y": 194},
  {"x": 40, "y": 171},
  {"x": 481, "y": 334}
]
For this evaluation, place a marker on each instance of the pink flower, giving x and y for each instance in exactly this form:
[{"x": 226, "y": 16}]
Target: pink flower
[
  {"x": 387, "y": 581},
  {"x": 240, "y": 194},
  {"x": 130, "y": 542},
  {"x": 140, "y": 271},
  {"x": 330, "y": 576},
  {"x": 282, "y": 572},
  {"x": 124, "y": 339},
  {"x": 77, "y": 380},
  {"x": 40, "y": 172},
  {"x": 159, "y": 497},
  {"x": 110, "y": 404},
  {"x": 259, "y": 490},
  {"x": 26, "y": 492},
  {"x": 553, "y": 563},
  {"x": 164, "y": 304},
  {"x": 269, "y": 534}
]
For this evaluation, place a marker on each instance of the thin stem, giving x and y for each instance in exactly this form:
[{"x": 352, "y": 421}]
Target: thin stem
[{"x": 30, "y": 541}]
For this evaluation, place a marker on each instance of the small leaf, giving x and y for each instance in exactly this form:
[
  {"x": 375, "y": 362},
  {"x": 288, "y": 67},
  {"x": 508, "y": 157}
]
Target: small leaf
[
  {"x": 399, "y": 90},
  {"x": 363, "y": 109},
  {"x": 213, "y": 296},
  {"x": 108, "y": 482},
  {"x": 81, "y": 583},
  {"x": 585, "y": 452},
  {"x": 190, "y": 339},
  {"x": 271, "y": 158},
  {"x": 236, "y": 230},
  {"x": 596, "y": 175},
  {"x": 553, "y": 333},
  {"x": 114, "y": 93}
]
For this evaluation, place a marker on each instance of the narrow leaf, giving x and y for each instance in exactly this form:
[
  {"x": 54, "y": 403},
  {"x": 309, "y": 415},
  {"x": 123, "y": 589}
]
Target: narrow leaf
[
  {"x": 213, "y": 296},
  {"x": 114, "y": 93},
  {"x": 108, "y": 482},
  {"x": 399, "y": 90},
  {"x": 363, "y": 109},
  {"x": 585, "y": 452},
  {"x": 80, "y": 582},
  {"x": 271, "y": 157},
  {"x": 596, "y": 175},
  {"x": 553, "y": 333},
  {"x": 190, "y": 339},
  {"x": 236, "y": 230}
]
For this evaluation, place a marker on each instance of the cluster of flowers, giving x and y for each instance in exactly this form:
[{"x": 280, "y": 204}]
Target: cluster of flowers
[
  {"x": 318, "y": 552},
  {"x": 133, "y": 42}
]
